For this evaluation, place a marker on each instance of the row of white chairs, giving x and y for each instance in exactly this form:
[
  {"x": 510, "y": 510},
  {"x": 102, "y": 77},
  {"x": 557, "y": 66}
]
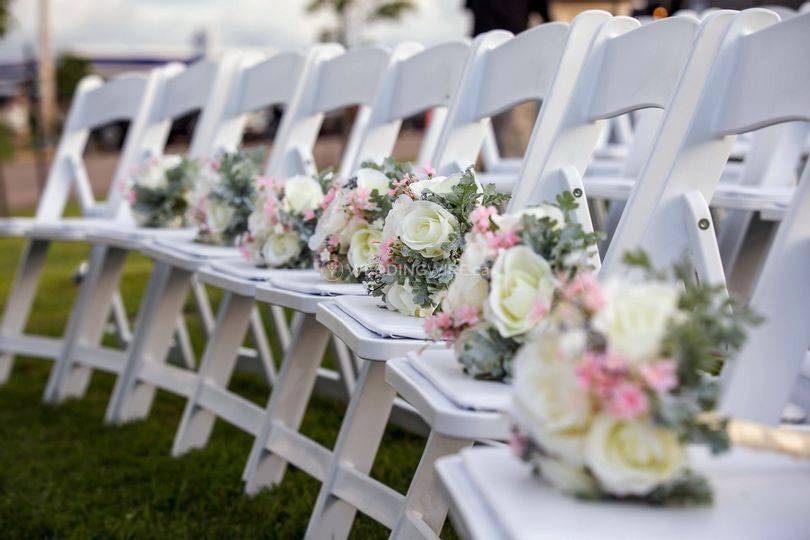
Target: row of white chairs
[{"x": 711, "y": 80}]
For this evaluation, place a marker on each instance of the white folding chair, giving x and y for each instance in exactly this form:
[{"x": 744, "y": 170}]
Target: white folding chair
[
  {"x": 401, "y": 93},
  {"x": 757, "y": 494},
  {"x": 201, "y": 86},
  {"x": 331, "y": 82},
  {"x": 501, "y": 73},
  {"x": 372, "y": 136},
  {"x": 95, "y": 104},
  {"x": 458, "y": 409}
]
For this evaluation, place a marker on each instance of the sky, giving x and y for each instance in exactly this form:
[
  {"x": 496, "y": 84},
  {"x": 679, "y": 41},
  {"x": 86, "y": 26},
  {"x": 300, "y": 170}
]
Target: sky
[{"x": 120, "y": 25}]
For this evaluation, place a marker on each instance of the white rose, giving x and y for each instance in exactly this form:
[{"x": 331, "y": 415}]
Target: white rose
[
  {"x": 153, "y": 176},
  {"x": 567, "y": 478},
  {"x": 362, "y": 249},
  {"x": 394, "y": 217},
  {"x": 400, "y": 298},
  {"x": 331, "y": 221},
  {"x": 218, "y": 216},
  {"x": 302, "y": 193},
  {"x": 441, "y": 185},
  {"x": 468, "y": 288},
  {"x": 632, "y": 457},
  {"x": 373, "y": 179},
  {"x": 521, "y": 279},
  {"x": 512, "y": 220},
  {"x": 425, "y": 227},
  {"x": 280, "y": 249},
  {"x": 348, "y": 230},
  {"x": 636, "y": 317},
  {"x": 549, "y": 401}
]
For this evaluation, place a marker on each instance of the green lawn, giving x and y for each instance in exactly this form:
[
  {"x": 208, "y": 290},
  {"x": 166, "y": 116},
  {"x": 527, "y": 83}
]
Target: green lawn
[{"x": 64, "y": 474}]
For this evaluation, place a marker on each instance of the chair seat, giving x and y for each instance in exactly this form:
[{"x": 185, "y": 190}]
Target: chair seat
[
  {"x": 212, "y": 275},
  {"x": 727, "y": 195},
  {"x": 443, "y": 414},
  {"x": 757, "y": 495},
  {"x": 131, "y": 237},
  {"x": 65, "y": 229},
  {"x": 361, "y": 340},
  {"x": 185, "y": 253}
]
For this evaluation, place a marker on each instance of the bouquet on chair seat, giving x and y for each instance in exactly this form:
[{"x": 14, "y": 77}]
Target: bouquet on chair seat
[
  {"x": 223, "y": 196},
  {"x": 508, "y": 281},
  {"x": 608, "y": 396},
  {"x": 158, "y": 191},
  {"x": 283, "y": 220},
  {"x": 348, "y": 234},
  {"x": 423, "y": 237}
]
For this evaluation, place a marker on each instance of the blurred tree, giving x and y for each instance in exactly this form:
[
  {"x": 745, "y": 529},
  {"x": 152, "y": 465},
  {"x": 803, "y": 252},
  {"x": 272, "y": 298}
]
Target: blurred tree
[
  {"x": 69, "y": 71},
  {"x": 359, "y": 11},
  {"x": 6, "y": 20}
]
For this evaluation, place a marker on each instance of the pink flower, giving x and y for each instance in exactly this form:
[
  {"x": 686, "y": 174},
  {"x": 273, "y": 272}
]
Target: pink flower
[
  {"x": 308, "y": 215},
  {"x": 539, "y": 310},
  {"x": 329, "y": 197},
  {"x": 428, "y": 170},
  {"x": 628, "y": 401},
  {"x": 661, "y": 376},
  {"x": 439, "y": 324},
  {"x": 333, "y": 240},
  {"x": 385, "y": 251},
  {"x": 480, "y": 218},
  {"x": 517, "y": 444},
  {"x": 266, "y": 182},
  {"x": 465, "y": 315},
  {"x": 270, "y": 206},
  {"x": 502, "y": 240}
]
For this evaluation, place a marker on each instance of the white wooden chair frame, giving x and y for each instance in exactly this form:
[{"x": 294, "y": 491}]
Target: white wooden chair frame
[
  {"x": 202, "y": 86},
  {"x": 95, "y": 103},
  {"x": 347, "y": 486},
  {"x": 401, "y": 93},
  {"x": 755, "y": 387},
  {"x": 450, "y": 421}
]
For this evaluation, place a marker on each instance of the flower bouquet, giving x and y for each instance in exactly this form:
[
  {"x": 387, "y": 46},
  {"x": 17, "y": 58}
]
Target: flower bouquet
[
  {"x": 508, "y": 281},
  {"x": 158, "y": 191},
  {"x": 348, "y": 234},
  {"x": 423, "y": 238},
  {"x": 223, "y": 197},
  {"x": 608, "y": 396},
  {"x": 284, "y": 219}
]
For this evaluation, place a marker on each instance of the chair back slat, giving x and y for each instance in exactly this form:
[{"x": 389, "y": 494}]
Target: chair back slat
[
  {"x": 350, "y": 79},
  {"x": 639, "y": 69},
  {"x": 428, "y": 79},
  {"x": 521, "y": 69},
  {"x": 618, "y": 77},
  {"x": 772, "y": 79},
  {"x": 189, "y": 90},
  {"x": 541, "y": 63},
  {"x": 271, "y": 82},
  {"x": 757, "y": 383},
  {"x": 118, "y": 99}
]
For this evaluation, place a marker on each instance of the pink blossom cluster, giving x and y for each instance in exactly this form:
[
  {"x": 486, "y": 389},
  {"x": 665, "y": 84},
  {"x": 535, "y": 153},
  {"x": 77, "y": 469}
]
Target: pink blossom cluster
[{"x": 448, "y": 326}]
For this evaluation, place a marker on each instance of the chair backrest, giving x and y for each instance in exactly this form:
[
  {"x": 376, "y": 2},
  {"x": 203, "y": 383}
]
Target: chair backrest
[
  {"x": 503, "y": 71},
  {"x": 337, "y": 80},
  {"x": 629, "y": 67},
  {"x": 260, "y": 82},
  {"x": 759, "y": 78},
  {"x": 756, "y": 384},
  {"x": 95, "y": 104},
  {"x": 201, "y": 86},
  {"x": 417, "y": 81}
]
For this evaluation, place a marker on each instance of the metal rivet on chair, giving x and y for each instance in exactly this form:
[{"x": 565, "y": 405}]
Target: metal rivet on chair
[
  {"x": 703, "y": 224},
  {"x": 577, "y": 193}
]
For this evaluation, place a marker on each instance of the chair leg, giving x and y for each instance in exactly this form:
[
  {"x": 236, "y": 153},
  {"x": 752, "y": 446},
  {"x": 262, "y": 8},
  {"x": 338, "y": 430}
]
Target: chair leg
[
  {"x": 120, "y": 319},
  {"x": 86, "y": 324},
  {"x": 424, "y": 503},
  {"x": 288, "y": 402},
  {"x": 359, "y": 438},
  {"x": 21, "y": 298},
  {"x": 165, "y": 296},
  {"x": 262, "y": 345},
  {"x": 216, "y": 369}
]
